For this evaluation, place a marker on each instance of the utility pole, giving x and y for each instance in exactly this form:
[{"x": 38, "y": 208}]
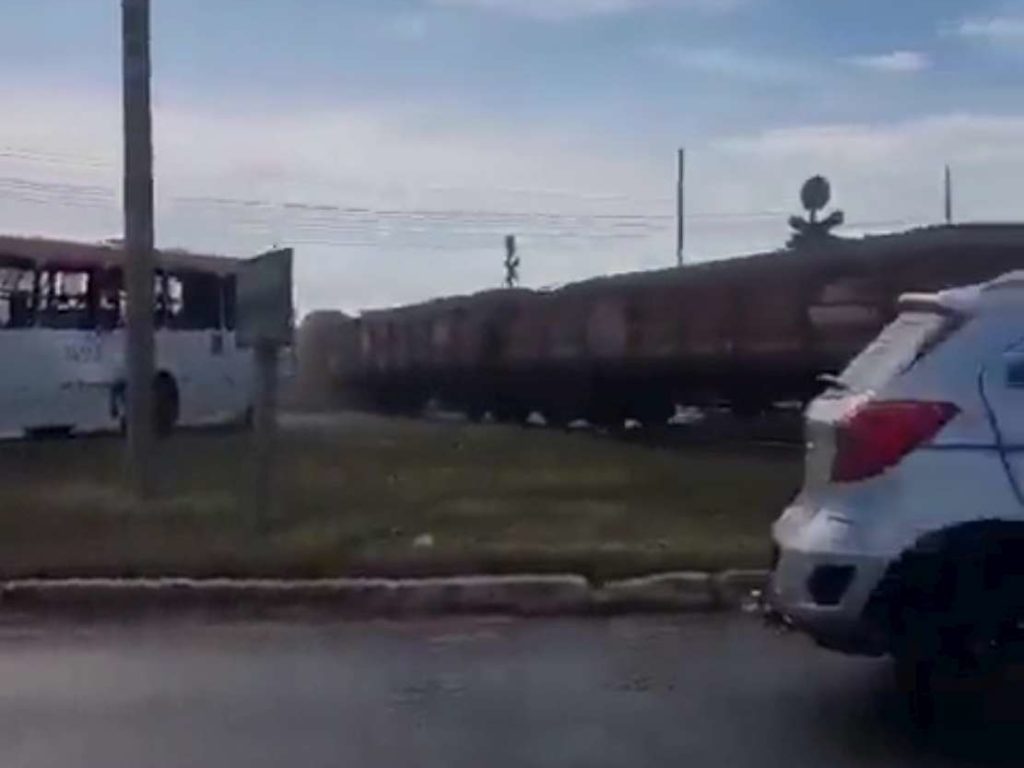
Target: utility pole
[
  {"x": 138, "y": 242},
  {"x": 949, "y": 195},
  {"x": 680, "y": 201}
]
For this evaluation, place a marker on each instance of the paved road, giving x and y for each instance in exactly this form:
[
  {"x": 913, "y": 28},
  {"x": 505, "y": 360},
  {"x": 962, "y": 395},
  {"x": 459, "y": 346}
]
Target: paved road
[{"x": 626, "y": 692}]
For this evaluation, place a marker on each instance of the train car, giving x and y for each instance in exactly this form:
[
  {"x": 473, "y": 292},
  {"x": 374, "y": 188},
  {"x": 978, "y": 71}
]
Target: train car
[
  {"x": 325, "y": 345},
  {"x": 748, "y": 332},
  {"x": 451, "y": 349}
]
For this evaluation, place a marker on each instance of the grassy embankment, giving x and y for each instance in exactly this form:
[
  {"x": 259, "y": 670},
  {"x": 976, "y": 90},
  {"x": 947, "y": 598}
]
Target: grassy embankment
[{"x": 354, "y": 497}]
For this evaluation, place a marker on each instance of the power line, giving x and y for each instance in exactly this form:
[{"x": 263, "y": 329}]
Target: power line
[
  {"x": 478, "y": 213},
  {"x": 407, "y": 228},
  {"x": 52, "y": 158},
  {"x": 574, "y": 225}
]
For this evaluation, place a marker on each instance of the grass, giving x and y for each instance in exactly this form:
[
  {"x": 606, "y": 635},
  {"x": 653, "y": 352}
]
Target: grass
[{"x": 353, "y": 496}]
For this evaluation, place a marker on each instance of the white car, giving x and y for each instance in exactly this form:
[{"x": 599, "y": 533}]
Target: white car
[{"x": 907, "y": 537}]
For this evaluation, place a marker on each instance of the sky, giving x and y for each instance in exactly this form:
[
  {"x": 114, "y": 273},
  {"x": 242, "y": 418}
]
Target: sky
[{"x": 394, "y": 143}]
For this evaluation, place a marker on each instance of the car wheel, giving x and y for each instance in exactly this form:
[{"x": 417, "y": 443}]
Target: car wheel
[{"x": 956, "y": 616}]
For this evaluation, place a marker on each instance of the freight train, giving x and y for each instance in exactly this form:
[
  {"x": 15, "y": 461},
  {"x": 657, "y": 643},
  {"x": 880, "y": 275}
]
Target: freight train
[{"x": 748, "y": 332}]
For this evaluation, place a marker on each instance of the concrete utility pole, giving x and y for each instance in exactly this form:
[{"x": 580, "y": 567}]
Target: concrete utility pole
[
  {"x": 949, "y": 195},
  {"x": 680, "y": 202},
  {"x": 138, "y": 241}
]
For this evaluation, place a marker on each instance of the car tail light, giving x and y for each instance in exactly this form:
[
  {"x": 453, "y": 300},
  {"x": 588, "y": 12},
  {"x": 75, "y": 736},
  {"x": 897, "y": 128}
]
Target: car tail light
[{"x": 879, "y": 434}]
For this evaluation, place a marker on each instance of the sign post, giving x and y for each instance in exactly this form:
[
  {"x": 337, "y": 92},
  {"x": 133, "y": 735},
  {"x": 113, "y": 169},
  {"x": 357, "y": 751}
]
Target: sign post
[{"x": 265, "y": 325}]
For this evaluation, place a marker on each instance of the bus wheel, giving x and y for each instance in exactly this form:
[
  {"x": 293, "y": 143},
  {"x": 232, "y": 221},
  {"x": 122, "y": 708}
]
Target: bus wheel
[
  {"x": 119, "y": 406},
  {"x": 165, "y": 404}
]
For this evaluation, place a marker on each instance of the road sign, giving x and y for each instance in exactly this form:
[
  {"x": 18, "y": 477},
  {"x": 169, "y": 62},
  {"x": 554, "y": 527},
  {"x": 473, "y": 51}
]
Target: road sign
[
  {"x": 265, "y": 300},
  {"x": 815, "y": 193},
  {"x": 265, "y": 323}
]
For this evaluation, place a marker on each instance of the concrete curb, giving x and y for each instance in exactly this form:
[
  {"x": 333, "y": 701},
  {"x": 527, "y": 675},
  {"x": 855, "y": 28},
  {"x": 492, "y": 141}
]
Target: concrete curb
[
  {"x": 683, "y": 591},
  {"x": 524, "y": 595},
  {"x": 734, "y": 589}
]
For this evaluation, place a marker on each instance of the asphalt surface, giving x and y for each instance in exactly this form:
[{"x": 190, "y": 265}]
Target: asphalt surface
[{"x": 692, "y": 691}]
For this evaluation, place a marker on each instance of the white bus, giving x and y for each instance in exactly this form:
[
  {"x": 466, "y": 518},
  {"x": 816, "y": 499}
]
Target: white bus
[{"x": 62, "y": 339}]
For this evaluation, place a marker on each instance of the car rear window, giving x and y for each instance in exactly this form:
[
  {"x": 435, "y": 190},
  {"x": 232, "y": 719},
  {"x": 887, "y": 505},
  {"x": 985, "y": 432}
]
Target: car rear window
[{"x": 903, "y": 342}]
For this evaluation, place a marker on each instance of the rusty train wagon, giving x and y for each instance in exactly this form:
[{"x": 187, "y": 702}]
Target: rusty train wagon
[
  {"x": 324, "y": 345},
  {"x": 749, "y": 331}
]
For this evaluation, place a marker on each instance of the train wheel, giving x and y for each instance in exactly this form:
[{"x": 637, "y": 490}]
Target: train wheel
[
  {"x": 509, "y": 412},
  {"x": 609, "y": 414},
  {"x": 410, "y": 405},
  {"x": 558, "y": 417},
  {"x": 749, "y": 408},
  {"x": 654, "y": 412}
]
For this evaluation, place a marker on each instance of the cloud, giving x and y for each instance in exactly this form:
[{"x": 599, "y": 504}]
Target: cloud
[
  {"x": 734, "y": 64},
  {"x": 384, "y": 203},
  {"x": 993, "y": 29},
  {"x": 389, "y": 203},
  {"x": 562, "y": 10},
  {"x": 896, "y": 62},
  {"x": 891, "y": 173},
  {"x": 967, "y": 135}
]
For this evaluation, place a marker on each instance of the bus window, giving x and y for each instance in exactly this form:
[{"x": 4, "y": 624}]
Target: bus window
[
  {"x": 230, "y": 302},
  {"x": 200, "y": 301},
  {"x": 64, "y": 299},
  {"x": 111, "y": 299},
  {"x": 174, "y": 299},
  {"x": 162, "y": 287},
  {"x": 17, "y": 296}
]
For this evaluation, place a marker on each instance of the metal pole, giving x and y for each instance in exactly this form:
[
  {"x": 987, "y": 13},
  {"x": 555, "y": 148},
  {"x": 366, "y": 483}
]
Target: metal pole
[
  {"x": 949, "y": 195},
  {"x": 138, "y": 242},
  {"x": 680, "y": 201},
  {"x": 265, "y": 424}
]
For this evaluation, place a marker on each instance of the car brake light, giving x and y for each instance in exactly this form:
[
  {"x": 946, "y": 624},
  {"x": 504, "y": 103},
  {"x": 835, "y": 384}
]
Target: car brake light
[{"x": 879, "y": 434}]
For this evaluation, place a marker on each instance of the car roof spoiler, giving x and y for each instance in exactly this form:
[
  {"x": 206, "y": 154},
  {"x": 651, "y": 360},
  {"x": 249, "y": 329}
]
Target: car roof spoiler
[
  {"x": 960, "y": 302},
  {"x": 957, "y": 302}
]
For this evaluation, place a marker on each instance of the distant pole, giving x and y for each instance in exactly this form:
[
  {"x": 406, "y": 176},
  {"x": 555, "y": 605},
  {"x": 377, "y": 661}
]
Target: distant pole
[
  {"x": 138, "y": 241},
  {"x": 680, "y": 203},
  {"x": 949, "y": 195}
]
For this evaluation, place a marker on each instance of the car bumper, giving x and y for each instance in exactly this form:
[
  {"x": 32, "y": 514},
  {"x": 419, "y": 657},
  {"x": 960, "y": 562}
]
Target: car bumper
[{"x": 823, "y": 579}]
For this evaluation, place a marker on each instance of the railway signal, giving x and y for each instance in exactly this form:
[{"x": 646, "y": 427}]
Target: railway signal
[
  {"x": 814, "y": 195},
  {"x": 511, "y": 262}
]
